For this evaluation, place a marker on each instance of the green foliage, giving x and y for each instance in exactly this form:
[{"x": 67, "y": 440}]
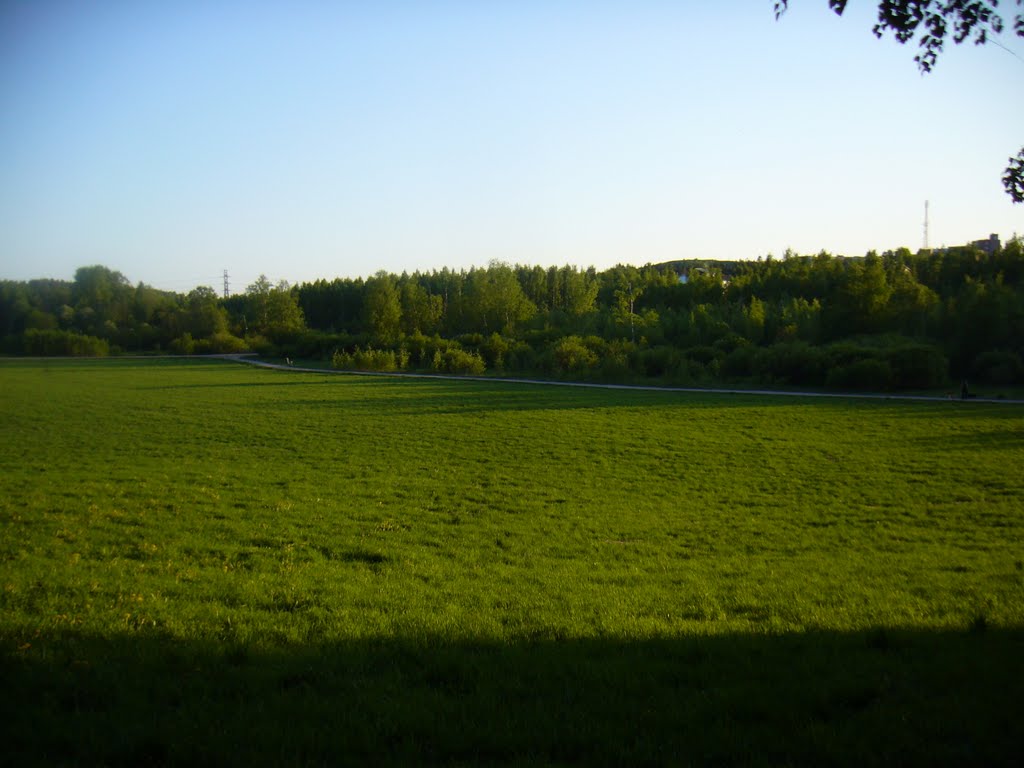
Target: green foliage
[
  {"x": 421, "y": 312},
  {"x": 202, "y": 316},
  {"x": 740, "y": 363},
  {"x": 383, "y": 312},
  {"x": 273, "y": 311},
  {"x": 495, "y": 349},
  {"x": 777, "y": 322},
  {"x": 864, "y": 374},
  {"x": 184, "y": 345},
  {"x": 497, "y": 300},
  {"x": 261, "y": 345},
  {"x": 661, "y": 361},
  {"x": 918, "y": 366},
  {"x": 791, "y": 363},
  {"x": 223, "y": 343},
  {"x": 571, "y": 356},
  {"x": 39, "y": 342},
  {"x": 617, "y": 358},
  {"x": 457, "y": 361},
  {"x": 1000, "y": 367},
  {"x": 370, "y": 359}
]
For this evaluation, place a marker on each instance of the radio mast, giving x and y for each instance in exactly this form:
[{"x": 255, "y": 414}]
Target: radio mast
[{"x": 926, "y": 225}]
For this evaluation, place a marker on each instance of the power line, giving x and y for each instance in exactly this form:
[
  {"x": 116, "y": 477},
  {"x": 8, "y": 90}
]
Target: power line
[{"x": 1011, "y": 52}]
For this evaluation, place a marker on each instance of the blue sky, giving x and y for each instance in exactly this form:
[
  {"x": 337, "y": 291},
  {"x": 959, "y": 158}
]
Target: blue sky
[{"x": 171, "y": 141}]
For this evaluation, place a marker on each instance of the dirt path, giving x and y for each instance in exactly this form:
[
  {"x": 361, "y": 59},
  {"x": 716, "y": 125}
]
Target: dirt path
[{"x": 248, "y": 360}]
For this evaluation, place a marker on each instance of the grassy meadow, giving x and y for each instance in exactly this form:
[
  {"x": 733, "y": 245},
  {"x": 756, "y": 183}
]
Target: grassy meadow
[{"x": 209, "y": 563}]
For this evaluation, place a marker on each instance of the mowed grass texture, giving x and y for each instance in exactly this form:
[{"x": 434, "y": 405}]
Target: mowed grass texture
[{"x": 202, "y": 561}]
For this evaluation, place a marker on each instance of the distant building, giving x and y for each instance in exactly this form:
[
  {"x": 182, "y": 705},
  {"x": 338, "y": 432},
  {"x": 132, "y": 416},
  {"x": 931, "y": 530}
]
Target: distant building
[
  {"x": 989, "y": 246},
  {"x": 684, "y": 278}
]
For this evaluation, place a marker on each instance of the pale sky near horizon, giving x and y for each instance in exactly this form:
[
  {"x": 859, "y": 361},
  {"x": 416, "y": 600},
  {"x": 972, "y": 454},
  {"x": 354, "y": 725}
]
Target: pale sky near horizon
[{"x": 305, "y": 140}]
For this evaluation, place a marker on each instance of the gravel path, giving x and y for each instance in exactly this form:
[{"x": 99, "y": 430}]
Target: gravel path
[{"x": 248, "y": 360}]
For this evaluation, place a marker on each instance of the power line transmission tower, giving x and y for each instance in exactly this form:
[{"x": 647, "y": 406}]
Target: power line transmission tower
[
  {"x": 226, "y": 291},
  {"x": 926, "y": 225}
]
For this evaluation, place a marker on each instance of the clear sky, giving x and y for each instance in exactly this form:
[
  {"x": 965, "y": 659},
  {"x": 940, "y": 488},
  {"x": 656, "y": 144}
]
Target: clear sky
[{"x": 173, "y": 140}]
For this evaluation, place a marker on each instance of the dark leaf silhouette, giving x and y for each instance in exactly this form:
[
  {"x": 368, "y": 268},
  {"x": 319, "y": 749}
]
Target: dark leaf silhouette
[{"x": 960, "y": 19}]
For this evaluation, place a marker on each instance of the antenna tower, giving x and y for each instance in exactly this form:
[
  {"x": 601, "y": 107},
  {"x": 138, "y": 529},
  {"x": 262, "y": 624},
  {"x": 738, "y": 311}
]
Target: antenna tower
[
  {"x": 926, "y": 224},
  {"x": 228, "y": 293}
]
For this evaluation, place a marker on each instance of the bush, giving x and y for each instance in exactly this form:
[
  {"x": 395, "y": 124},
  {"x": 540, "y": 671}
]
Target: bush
[
  {"x": 702, "y": 354},
  {"x": 869, "y": 373},
  {"x": 730, "y": 342},
  {"x": 224, "y": 343},
  {"x": 657, "y": 362},
  {"x": 1000, "y": 367},
  {"x": 918, "y": 366},
  {"x": 309, "y": 344},
  {"x": 423, "y": 348},
  {"x": 261, "y": 345},
  {"x": 49, "y": 342},
  {"x": 842, "y": 353},
  {"x": 617, "y": 358},
  {"x": 458, "y": 361},
  {"x": 571, "y": 355},
  {"x": 791, "y": 362},
  {"x": 739, "y": 364},
  {"x": 184, "y": 345},
  {"x": 370, "y": 359},
  {"x": 911, "y": 365},
  {"x": 521, "y": 357},
  {"x": 494, "y": 349}
]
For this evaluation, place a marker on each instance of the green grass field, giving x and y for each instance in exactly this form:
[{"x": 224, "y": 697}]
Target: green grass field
[{"x": 208, "y": 563}]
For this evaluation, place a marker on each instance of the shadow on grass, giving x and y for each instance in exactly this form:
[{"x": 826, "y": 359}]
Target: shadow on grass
[
  {"x": 998, "y": 439},
  {"x": 237, "y": 384},
  {"x": 468, "y": 397},
  {"x": 908, "y": 697},
  {"x": 414, "y": 394}
]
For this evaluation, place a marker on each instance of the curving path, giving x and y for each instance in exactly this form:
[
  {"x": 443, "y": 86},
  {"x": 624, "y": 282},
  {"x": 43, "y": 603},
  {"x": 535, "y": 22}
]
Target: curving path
[{"x": 248, "y": 360}]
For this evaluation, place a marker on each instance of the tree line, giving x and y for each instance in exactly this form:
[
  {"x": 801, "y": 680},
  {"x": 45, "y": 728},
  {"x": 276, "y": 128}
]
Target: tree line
[{"x": 898, "y": 320}]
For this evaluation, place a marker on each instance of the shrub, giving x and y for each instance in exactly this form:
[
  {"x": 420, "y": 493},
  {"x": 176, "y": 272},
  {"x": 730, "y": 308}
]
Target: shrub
[
  {"x": 843, "y": 353},
  {"x": 617, "y": 358},
  {"x": 262, "y": 346},
  {"x": 702, "y": 354},
  {"x": 521, "y": 357},
  {"x": 494, "y": 349},
  {"x": 661, "y": 361},
  {"x": 370, "y": 359},
  {"x": 1000, "y": 367},
  {"x": 224, "y": 343},
  {"x": 918, "y": 366},
  {"x": 184, "y": 345},
  {"x": 791, "y": 362},
  {"x": 458, "y": 361},
  {"x": 869, "y": 373},
  {"x": 471, "y": 340},
  {"x": 50, "y": 342},
  {"x": 730, "y": 342},
  {"x": 571, "y": 355},
  {"x": 309, "y": 344},
  {"x": 739, "y": 364},
  {"x": 381, "y": 360}
]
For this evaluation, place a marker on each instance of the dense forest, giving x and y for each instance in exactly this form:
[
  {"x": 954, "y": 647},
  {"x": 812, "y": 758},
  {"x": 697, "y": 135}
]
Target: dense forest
[{"x": 893, "y": 321}]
